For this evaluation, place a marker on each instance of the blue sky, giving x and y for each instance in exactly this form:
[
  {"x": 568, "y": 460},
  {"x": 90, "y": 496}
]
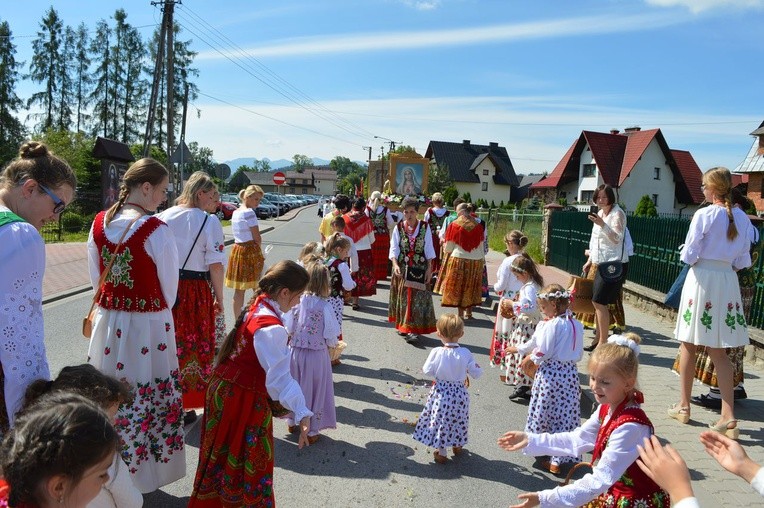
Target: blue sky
[{"x": 323, "y": 78}]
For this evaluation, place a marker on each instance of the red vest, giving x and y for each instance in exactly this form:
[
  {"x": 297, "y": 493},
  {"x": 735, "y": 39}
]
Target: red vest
[
  {"x": 633, "y": 484},
  {"x": 243, "y": 368},
  {"x": 133, "y": 284}
]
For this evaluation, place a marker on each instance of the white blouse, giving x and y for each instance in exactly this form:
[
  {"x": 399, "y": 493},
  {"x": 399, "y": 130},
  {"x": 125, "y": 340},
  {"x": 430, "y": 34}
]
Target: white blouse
[
  {"x": 707, "y": 237},
  {"x": 353, "y": 253},
  {"x": 185, "y": 223},
  {"x": 388, "y": 215},
  {"x": 618, "y": 455},
  {"x": 395, "y": 243},
  {"x": 22, "y": 336},
  {"x": 527, "y": 299},
  {"x": 451, "y": 363},
  {"x": 560, "y": 338},
  {"x": 242, "y": 221},
  {"x": 119, "y": 491},
  {"x": 274, "y": 356},
  {"x": 160, "y": 246},
  {"x": 506, "y": 282},
  {"x": 607, "y": 242},
  {"x": 364, "y": 243},
  {"x": 347, "y": 280}
]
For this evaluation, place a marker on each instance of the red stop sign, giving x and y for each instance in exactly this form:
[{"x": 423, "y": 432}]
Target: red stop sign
[{"x": 279, "y": 178}]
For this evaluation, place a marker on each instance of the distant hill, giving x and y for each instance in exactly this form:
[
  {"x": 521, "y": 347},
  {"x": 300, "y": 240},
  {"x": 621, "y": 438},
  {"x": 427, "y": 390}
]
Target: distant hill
[{"x": 275, "y": 164}]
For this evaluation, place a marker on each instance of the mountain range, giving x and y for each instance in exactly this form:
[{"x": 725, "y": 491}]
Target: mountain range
[{"x": 275, "y": 164}]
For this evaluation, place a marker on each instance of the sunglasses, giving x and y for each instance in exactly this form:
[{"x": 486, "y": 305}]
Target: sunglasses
[{"x": 59, "y": 205}]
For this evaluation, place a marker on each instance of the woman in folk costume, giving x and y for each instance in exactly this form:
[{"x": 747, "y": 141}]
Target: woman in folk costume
[
  {"x": 200, "y": 242},
  {"x": 252, "y": 370},
  {"x": 435, "y": 216},
  {"x": 360, "y": 229},
  {"x": 35, "y": 188},
  {"x": 382, "y": 220},
  {"x": 133, "y": 334},
  {"x": 461, "y": 277},
  {"x": 411, "y": 249}
]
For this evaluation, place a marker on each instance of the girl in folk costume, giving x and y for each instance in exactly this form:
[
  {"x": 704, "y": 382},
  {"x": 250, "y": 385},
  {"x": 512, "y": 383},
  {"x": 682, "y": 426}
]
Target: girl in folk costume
[
  {"x": 382, "y": 220},
  {"x": 133, "y": 334},
  {"x": 460, "y": 281},
  {"x": 361, "y": 230},
  {"x": 435, "y": 216},
  {"x": 200, "y": 242},
  {"x": 310, "y": 251},
  {"x": 445, "y": 418},
  {"x": 613, "y": 433},
  {"x": 34, "y": 189},
  {"x": 506, "y": 287},
  {"x": 315, "y": 330},
  {"x": 556, "y": 346},
  {"x": 527, "y": 315},
  {"x": 245, "y": 265},
  {"x": 251, "y": 372},
  {"x": 340, "y": 280},
  {"x": 411, "y": 250}
]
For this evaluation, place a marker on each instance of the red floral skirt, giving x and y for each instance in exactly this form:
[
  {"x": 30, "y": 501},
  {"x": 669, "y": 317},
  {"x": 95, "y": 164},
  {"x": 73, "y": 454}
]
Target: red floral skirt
[
  {"x": 380, "y": 251},
  {"x": 366, "y": 283},
  {"x": 195, "y": 338},
  {"x": 236, "y": 453}
]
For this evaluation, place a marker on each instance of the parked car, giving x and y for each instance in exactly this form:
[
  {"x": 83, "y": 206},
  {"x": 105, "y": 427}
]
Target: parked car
[
  {"x": 266, "y": 210},
  {"x": 283, "y": 204},
  {"x": 299, "y": 199},
  {"x": 231, "y": 198},
  {"x": 224, "y": 210}
]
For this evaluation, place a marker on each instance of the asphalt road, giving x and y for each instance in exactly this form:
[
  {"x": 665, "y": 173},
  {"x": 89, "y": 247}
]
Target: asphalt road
[{"x": 370, "y": 459}]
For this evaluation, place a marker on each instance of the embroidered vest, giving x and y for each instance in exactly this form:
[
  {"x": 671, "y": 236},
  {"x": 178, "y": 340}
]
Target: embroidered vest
[
  {"x": 435, "y": 222},
  {"x": 379, "y": 220},
  {"x": 335, "y": 277},
  {"x": 409, "y": 256},
  {"x": 633, "y": 484},
  {"x": 133, "y": 284},
  {"x": 243, "y": 368}
]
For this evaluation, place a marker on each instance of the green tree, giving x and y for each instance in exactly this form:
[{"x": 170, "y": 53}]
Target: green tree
[
  {"x": 300, "y": 162},
  {"x": 11, "y": 129},
  {"x": 439, "y": 178},
  {"x": 83, "y": 82},
  {"x": 46, "y": 68},
  {"x": 76, "y": 148},
  {"x": 450, "y": 193},
  {"x": 344, "y": 166},
  {"x": 99, "y": 96},
  {"x": 201, "y": 159},
  {"x": 239, "y": 180},
  {"x": 646, "y": 207},
  {"x": 466, "y": 197}
]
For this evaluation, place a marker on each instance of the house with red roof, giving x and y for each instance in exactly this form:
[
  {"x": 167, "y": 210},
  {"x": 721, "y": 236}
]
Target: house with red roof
[
  {"x": 752, "y": 168},
  {"x": 634, "y": 162}
]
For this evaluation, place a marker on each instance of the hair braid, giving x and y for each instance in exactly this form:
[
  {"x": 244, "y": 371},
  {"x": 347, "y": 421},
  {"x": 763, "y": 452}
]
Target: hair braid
[
  {"x": 731, "y": 228},
  {"x": 111, "y": 212}
]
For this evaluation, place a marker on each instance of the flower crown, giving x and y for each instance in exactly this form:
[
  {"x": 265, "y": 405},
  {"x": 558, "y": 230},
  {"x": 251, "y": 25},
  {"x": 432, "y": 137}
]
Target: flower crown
[
  {"x": 516, "y": 268},
  {"x": 556, "y": 295},
  {"x": 620, "y": 340}
]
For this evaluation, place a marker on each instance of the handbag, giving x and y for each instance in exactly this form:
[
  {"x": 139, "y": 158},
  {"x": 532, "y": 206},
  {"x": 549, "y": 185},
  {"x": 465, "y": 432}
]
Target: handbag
[
  {"x": 612, "y": 271},
  {"x": 87, "y": 321},
  {"x": 414, "y": 277},
  {"x": 581, "y": 288}
]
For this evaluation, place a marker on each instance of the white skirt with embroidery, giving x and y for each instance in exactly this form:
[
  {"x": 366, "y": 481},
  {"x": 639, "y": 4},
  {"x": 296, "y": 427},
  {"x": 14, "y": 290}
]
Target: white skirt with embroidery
[{"x": 711, "y": 309}]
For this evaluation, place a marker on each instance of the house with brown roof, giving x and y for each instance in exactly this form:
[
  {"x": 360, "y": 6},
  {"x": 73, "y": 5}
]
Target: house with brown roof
[
  {"x": 635, "y": 163},
  {"x": 752, "y": 167},
  {"x": 484, "y": 171}
]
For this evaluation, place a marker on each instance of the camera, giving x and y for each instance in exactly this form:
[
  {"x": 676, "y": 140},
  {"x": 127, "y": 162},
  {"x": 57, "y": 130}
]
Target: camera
[{"x": 593, "y": 210}]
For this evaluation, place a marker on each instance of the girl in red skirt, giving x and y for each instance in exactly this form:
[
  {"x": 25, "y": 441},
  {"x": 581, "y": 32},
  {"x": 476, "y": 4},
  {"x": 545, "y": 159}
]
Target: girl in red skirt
[
  {"x": 361, "y": 230},
  {"x": 251, "y": 372},
  {"x": 382, "y": 220}
]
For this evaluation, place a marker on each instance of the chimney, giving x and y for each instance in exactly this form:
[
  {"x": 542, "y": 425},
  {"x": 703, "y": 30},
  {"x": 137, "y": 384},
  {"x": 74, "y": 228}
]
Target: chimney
[
  {"x": 466, "y": 142},
  {"x": 614, "y": 131},
  {"x": 629, "y": 130},
  {"x": 493, "y": 144}
]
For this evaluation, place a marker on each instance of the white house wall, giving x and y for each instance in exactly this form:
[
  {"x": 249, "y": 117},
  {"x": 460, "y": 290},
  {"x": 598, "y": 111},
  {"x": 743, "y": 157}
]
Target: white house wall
[
  {"x": 641, "y": 182},
  {"x": 495, "y": 193}
]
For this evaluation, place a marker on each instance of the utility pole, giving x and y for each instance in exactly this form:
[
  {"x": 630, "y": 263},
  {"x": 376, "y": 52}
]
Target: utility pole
[
  {"x": 369, "y": 149},
  {"x": 156, "y": 80},
  {"x": 392, "y": 143},
  {"x": 182, "y": 144}
]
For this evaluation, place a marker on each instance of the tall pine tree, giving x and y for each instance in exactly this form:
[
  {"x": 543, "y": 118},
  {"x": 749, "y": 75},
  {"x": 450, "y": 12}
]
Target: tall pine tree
[
  {"x": 11, "y": 129},
  {"x": 45, "y": 68},
  {"x": 100, "y": 50},
  {"x": 83, "y": 82}
]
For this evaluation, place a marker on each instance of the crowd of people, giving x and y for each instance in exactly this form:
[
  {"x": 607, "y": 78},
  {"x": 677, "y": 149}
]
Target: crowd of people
[{"x": 153, "y": 356}]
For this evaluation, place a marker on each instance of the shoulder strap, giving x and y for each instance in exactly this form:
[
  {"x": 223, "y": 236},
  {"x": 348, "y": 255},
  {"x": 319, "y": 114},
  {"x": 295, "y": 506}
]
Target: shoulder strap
[
  {"x": 195, "y": 239},
  {"x": 9, "y": 218}
]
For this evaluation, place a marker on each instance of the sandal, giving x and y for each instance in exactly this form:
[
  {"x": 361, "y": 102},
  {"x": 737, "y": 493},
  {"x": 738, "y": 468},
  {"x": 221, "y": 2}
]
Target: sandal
[
  {"x": 440, "y": 459},
  {"x": 680, "y": 414},
  {"x": 457, "y": 450},
  {"x": 724, "y": 428}
]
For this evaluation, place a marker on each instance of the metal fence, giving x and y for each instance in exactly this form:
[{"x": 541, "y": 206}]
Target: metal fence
[
  {"x": 69, "y": 223},
  {"x": 655, "y": 263}
]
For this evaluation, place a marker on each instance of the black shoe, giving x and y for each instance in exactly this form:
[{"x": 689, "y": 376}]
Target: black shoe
[
  {"x": 411, "y": 338},
  {"x": 189, "y": 417},
  {"x": 402, "y": 334},
  {"x": 521, "y": 392},
  {"x": 707, "y": 401},
  {"x": 590, "y": 348},
  {"x": 740, "y": 393}
]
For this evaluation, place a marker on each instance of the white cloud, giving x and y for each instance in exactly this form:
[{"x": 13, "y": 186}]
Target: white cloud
[
  {"x": 698, "y": 6},
  {"x": 422, "y": 5},
  {"x": 547, "y": 29}
]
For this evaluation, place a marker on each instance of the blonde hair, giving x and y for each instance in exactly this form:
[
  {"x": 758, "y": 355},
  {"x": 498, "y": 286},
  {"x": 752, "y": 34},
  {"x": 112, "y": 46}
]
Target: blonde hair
[
  {"x": 318, "y": 278},
  {"x": 146, "y": 170},
  {"x": 437, "y": 199},
  {"x": 719, "y": 180},
  {"x": 198, "y": 181},
  {"x": 450, "y": 326},
  {"x": 374, "y": 198},
  {"x": 36, "y": 162},
  {"x": 314, "y": 249},
  {"x": 250, "y": 190},
  {"x": 621, "y": 359},
  {"x": 335, "y": 243}
]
